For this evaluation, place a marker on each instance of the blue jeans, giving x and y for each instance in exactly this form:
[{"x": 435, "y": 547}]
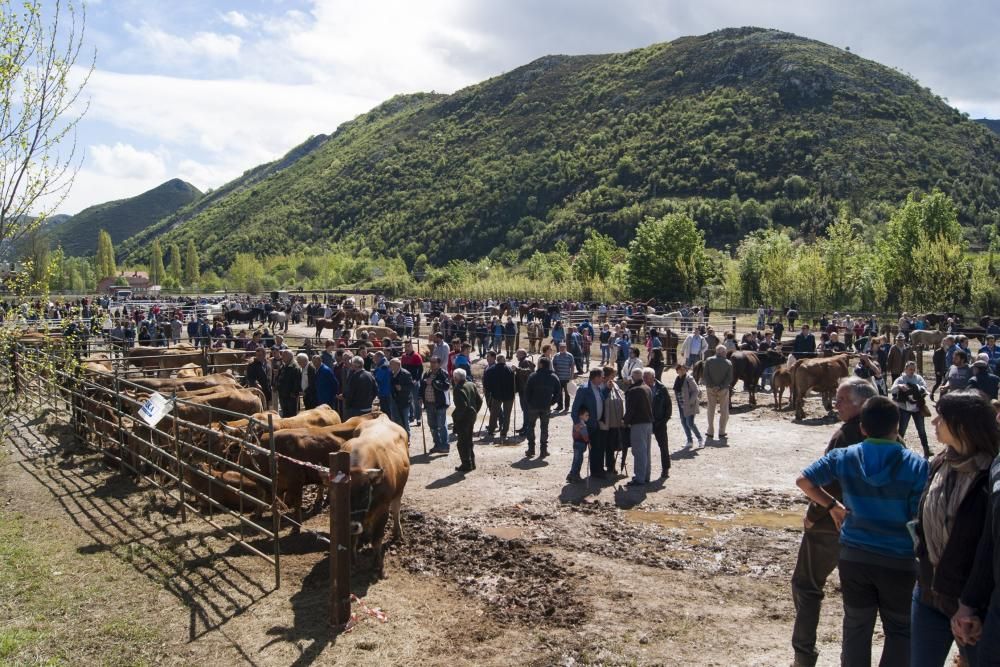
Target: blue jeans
[
  {"x": 415, "y": 401},
  {"x": 988, "y": 648},
  {"x": 579, "y": 448},
  {"x": 690, "y": 428},
  {"x": 930, "y": 636},
  {"x": 605, "y": 354},
  {"x": 437, "y": 421},
  {"x": 399, "y": 412}
]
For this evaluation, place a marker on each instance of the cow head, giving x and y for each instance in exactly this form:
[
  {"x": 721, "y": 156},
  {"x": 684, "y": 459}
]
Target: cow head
[{"x": 363, "y": 484}]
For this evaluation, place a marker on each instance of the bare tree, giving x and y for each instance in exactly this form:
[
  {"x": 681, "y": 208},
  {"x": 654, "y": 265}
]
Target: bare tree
[{"x": 40, "y": 105}]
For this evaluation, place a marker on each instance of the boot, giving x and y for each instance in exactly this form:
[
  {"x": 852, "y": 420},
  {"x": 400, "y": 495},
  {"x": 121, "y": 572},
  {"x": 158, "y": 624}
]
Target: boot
[
  {"x": 544, "y": 453},
  {"x": 531, "y": 451}
]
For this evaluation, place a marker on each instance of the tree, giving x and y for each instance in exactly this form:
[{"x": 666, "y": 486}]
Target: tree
[
  {"x": 945, "y": 275},
  {"x": 39, "y": 258},
  {"x": 175, "y": 271},
  {"x": 38, "y": 62},
  {"x": 916, "y": 222},
  {"x": 246, "y": 274},
  {"x": 104, "y": 264},
  {"x": 156, "y": 271},
  {"x": 596, "y": 256},
  {"x": 842, "y": 251},
  {"x": 191, "y": 268},
  {"x": 666, "y": 258},
  {"x": 763, "y": 258}
]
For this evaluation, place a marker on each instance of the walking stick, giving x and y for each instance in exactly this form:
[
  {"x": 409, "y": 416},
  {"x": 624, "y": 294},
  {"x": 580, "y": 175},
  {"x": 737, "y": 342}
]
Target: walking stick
[
  {"x": 483, "y": 420},
  {"x": 423, "y": 435}
]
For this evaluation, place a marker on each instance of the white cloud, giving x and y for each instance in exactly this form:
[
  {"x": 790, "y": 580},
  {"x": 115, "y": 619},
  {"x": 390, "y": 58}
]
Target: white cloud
[
  {"x": 126, "y": 161},
  {"x": 253, "y": 120},
  {"x": 236, "y": 19},
  {"x": 200, "y": 45}
]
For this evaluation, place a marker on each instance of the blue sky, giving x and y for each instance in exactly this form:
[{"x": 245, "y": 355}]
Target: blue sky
[{"x": 204, "y": 90}]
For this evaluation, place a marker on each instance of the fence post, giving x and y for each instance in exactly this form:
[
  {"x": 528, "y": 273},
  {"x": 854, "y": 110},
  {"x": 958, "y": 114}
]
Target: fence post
[
  {"x": 275, "y": 515},
  {"x": 177, "y": 455},
  {"x": 340, "y": 539},
  {"x": 920, "y": 359},
  {"x": 734, "y": 327}
]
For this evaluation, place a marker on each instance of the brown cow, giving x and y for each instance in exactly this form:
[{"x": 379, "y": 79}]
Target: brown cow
[
  {"x": 380, "y": 466},
  {"x": 167, "y": 385},
  {"x": 376, "y": 332},
  {"x": 781, "y": 380},
  {"x": 822, "y": 374},
  {"x": 224, "y": 488},
  {"x": 190, "y": 371},
  {"x": 158, "y": 358},
  {"x": 196, "y": 409},
  {"x": 318, "y": 417}
]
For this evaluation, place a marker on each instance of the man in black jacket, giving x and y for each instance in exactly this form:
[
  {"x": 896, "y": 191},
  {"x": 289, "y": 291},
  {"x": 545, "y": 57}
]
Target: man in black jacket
[
  {"x": 360, "y": 390},
  {"x": 541, "y": 392},
  {"x": 498, "y": 385},
  {"x": 662, "y": 409},
  {"x": 435, "y": 390},
  {"x": 402, "y": 395},
  {"x": 259, "y": 375},
  {"x": 289, "y": 385},
  {"x": 820, "y": 548},
  {"x": 804, "y": 344}
]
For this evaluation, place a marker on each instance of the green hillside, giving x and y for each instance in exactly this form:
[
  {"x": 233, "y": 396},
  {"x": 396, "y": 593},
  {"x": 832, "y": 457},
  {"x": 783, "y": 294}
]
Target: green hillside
[
  {"x": 742, "y": 128},
  {"x": 123, "y": 218},
  {"x": 991, "y": 123}
]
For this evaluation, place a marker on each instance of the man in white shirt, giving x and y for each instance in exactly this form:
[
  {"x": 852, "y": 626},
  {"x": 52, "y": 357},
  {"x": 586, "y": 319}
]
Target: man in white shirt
[{"x": 441, "y": 350}]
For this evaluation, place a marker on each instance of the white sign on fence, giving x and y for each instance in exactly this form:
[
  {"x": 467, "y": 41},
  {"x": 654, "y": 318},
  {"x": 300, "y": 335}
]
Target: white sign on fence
[{"x": 155, "y": 408}]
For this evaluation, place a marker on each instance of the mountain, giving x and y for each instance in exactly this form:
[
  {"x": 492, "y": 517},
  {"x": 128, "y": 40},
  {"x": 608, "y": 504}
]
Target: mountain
[
  {"x": 123, "y": 218},
  {"x": 991, "y": 123},
  {"x": 742, "y": 128}
]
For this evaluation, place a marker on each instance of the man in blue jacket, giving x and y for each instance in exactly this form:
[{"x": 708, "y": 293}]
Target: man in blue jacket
[
  {"x": 383, "y": 378},
  {"x": 591, "y": 396},
  {"x": 882, "y": 482},
  {"x": 326, "y": 383}
]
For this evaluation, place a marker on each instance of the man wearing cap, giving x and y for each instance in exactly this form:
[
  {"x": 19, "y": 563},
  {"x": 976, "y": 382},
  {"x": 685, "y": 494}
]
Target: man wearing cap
[
  {"x": 984, "y": 380},
  {"x": 899, "y": 354}
]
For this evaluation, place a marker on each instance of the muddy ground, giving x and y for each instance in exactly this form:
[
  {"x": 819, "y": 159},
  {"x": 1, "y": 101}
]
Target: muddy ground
[{"x": 507, "y": 565}]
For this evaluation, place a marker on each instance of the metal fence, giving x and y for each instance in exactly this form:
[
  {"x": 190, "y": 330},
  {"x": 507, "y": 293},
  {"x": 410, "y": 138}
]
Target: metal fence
[{"x": 219, "y": 475}]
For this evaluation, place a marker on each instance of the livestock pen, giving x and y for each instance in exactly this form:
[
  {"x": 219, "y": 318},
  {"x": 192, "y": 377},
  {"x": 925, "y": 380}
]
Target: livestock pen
[{"x": 187, "y": 461}]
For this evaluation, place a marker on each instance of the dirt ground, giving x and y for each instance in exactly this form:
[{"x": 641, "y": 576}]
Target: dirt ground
[{"x": 507, "y": 565}]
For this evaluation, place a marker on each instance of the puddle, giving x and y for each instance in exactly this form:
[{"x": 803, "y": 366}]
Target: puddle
[
  {"x": 698, "y": 527},
  {"x": 505, "y": 532}
]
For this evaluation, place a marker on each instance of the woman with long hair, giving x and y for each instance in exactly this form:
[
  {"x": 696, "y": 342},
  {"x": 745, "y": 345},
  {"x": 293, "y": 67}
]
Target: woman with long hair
[{"x": 950, "y": 520}]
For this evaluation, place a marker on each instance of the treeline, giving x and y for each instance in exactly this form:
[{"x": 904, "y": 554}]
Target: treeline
[{"x": 919, "y": 260}]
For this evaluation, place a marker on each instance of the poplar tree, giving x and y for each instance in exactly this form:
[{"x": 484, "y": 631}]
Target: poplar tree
[
  {"x": 156, "y": 272},
  {"x": 175, "y": 264},
  {"x": 192, "y": 273}
]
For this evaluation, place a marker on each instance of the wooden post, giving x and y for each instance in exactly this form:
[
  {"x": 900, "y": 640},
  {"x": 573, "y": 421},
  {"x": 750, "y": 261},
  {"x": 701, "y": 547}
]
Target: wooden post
[
  {"x": 734, "y": 329},
  {"x": 340, "y": 539},
  {"x": 920, "y": 358}
]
